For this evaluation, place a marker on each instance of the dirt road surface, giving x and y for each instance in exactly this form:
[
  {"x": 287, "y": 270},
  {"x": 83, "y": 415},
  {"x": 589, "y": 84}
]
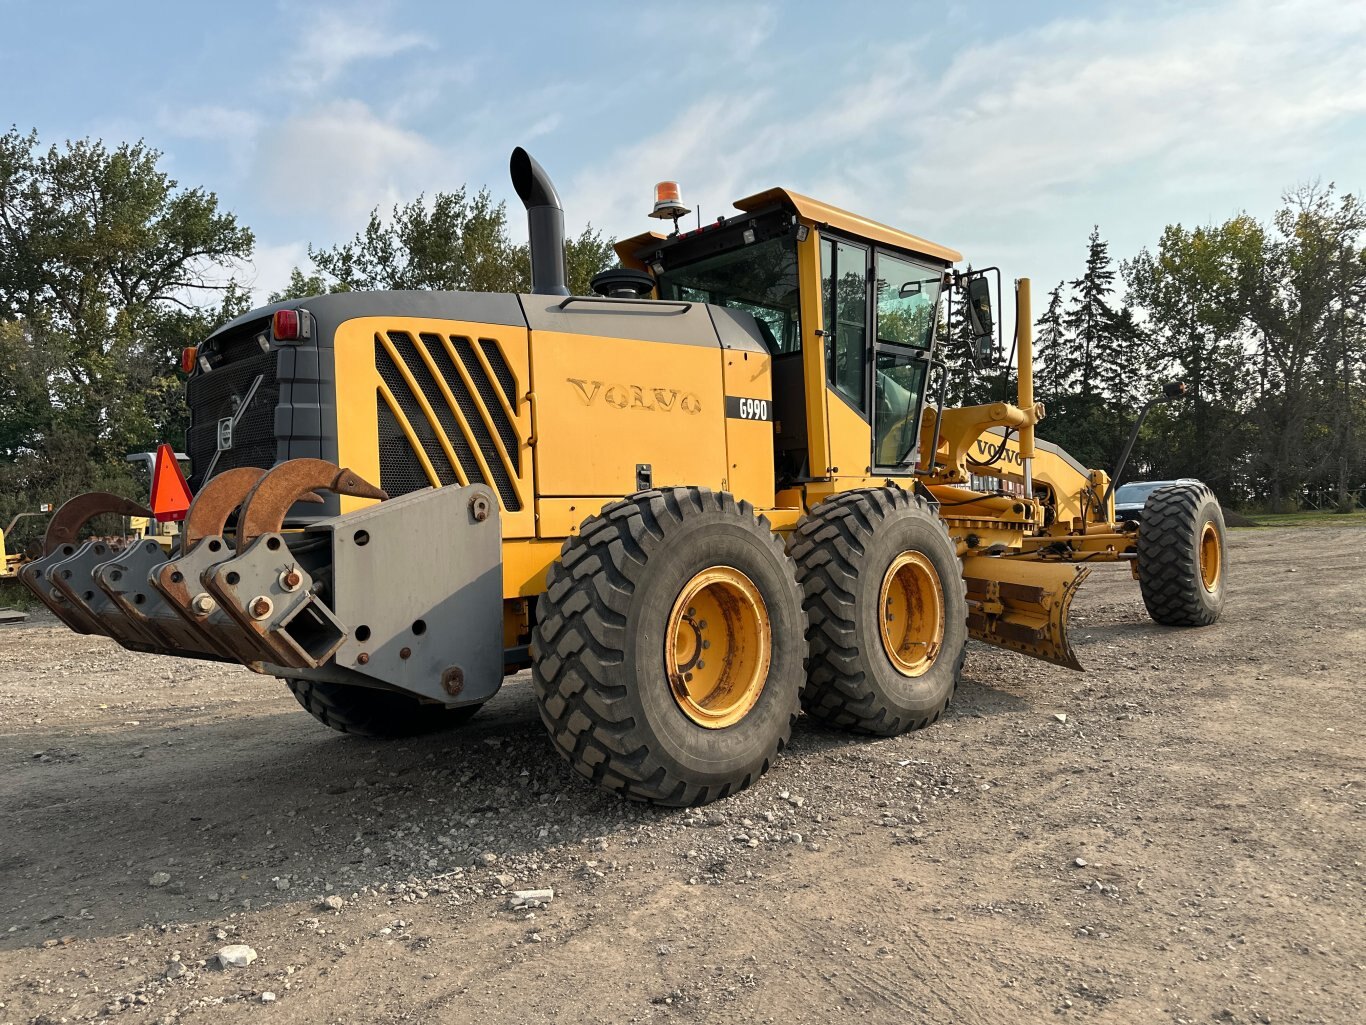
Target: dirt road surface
[{"x": 1175, "y": 835}]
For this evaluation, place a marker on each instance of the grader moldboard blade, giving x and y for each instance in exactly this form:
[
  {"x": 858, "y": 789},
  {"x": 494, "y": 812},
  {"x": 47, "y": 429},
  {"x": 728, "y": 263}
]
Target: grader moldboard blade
[
  {"x": 1023, "y": 605},
  {"x": 56, "y": 580}
]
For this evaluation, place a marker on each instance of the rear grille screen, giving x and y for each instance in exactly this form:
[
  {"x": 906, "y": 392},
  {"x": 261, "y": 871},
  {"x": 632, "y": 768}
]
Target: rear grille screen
[
  {"x": 219, "y": 395},
  {"x": 482, "y": 425}
]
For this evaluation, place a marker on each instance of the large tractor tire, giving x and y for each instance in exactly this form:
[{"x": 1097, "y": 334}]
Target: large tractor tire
[
  {"x": 668, "y": 650},
  {"x": 887, "y": 611},
  {"x": 365, "y": 712},
  {"x": 1182, "y": 558}
]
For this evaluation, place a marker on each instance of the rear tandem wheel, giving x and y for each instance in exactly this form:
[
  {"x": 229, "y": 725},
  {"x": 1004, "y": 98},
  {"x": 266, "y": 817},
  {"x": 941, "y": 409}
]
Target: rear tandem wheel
[
  {"x": 368, "y": 712},
  {"x": 669, "y": 645}
]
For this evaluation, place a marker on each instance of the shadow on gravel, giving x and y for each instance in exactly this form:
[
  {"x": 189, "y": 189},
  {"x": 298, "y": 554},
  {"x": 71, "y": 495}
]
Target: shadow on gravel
[{"x": 256, "y": 810}]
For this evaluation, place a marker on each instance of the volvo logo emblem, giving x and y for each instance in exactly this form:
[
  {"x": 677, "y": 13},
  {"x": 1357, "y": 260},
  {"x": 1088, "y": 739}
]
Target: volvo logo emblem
[{"x": 225, "y": 433}]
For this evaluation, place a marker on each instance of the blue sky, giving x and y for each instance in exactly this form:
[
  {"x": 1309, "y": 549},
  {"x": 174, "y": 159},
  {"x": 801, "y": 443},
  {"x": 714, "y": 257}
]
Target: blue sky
[{"x": 1003, "y": 129}]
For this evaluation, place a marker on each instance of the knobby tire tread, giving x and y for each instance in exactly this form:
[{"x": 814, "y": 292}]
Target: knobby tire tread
[
  {"x": 1168, "y": 563},
  {"x": 579, "y": 640},
  {"x": 363, "y": 712},
  {"x": 826, "y": 546}
]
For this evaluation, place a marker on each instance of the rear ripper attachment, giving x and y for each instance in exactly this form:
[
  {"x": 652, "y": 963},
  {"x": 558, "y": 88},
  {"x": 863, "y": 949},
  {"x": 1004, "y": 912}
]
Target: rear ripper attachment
[{"x": 347, "y": 599}]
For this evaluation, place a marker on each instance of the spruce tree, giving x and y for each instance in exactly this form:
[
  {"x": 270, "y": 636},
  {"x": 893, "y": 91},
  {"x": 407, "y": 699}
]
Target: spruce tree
[
  {"x": 1090, "y": 318},
  {"x": 1051, "y": 355}
]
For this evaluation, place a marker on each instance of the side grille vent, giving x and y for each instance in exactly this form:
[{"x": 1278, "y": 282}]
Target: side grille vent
[
  {"x": 485, "y": 388},
  {"x": 464, "y": 433},
  {"x": 500, "y": 370},
  {"x": 400, "y": 469},
  {"x": 412, "y": 412}
]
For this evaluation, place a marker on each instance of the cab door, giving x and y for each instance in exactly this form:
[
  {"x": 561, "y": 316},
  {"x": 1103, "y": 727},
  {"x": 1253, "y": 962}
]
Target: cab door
[
  {"x": 905, "y": 304},
  {"x": 846, "y": 322},
  {"x": 879, "y": 315}
]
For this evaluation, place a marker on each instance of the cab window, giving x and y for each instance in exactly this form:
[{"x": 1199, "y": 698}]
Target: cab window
[
  {"x": 906, "y": 305},
  {"x": 900, "y": 378},
  {"x": 844, "y": 294},
  {"x": 907, "y": 300},
  {"x": 759, "y": 279}
]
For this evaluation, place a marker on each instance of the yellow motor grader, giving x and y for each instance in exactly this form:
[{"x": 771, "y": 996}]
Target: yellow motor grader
[{"x": 719, "y": 491}]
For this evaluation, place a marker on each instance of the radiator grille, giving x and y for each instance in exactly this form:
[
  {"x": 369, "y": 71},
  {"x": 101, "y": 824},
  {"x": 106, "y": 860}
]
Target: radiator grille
[
  {"x": 486, "y": 428},
  {"x": 218, "y": 395}
]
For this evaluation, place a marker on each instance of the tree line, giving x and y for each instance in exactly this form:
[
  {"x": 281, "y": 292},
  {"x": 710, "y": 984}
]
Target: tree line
[
  {"x": 1262, "y": 321},
  {"x": 109, "y": 267}
]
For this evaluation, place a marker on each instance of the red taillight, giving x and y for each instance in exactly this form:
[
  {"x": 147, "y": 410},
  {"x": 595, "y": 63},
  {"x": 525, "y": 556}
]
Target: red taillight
[
  {"x": 285, "y": 326},
  {"x": 292, "y": 325},
  {"x": 188, "y": 356}
]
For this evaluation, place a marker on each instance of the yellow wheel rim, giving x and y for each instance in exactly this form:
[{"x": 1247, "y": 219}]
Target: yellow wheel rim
[
  {"x": 1211, "y": 556},
  {"x": 717, "y": 647},
  {"x": 911, "y": 613}
]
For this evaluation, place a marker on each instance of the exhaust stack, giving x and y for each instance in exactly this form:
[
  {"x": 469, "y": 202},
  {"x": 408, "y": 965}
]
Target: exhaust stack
[{"x": 545, "y": 221}]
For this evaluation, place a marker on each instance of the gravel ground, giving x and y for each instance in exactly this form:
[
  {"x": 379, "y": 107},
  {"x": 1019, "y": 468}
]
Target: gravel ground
[{"x": 1174, "y": 835}]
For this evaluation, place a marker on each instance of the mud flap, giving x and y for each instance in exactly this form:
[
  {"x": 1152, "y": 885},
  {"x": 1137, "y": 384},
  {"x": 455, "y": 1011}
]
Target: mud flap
[{"x": 1023, "y": 605}]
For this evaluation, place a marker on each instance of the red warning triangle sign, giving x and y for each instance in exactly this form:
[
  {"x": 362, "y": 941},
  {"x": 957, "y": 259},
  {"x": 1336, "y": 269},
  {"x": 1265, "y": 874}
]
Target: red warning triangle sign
[{"x": 170, "y": 494}]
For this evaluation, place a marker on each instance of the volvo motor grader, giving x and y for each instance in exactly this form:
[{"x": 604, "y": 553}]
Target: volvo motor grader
[{"x": 720, "y": 491}]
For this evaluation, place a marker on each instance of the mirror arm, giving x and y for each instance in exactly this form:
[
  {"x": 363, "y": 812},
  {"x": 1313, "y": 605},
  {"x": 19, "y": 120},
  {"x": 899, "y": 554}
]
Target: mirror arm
[{"x": 1171, "y": 391}]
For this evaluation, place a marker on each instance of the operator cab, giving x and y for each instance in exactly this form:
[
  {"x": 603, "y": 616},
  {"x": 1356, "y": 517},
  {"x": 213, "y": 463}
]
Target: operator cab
[{"x": 836, "y": 297}]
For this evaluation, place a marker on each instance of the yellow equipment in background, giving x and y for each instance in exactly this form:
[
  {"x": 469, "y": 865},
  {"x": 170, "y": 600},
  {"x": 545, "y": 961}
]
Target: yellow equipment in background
[
  {"x": 721, "y": 490},
  {"x": 11, "y": 561}
]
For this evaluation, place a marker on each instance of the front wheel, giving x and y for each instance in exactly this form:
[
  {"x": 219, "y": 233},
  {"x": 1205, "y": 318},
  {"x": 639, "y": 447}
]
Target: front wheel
[
  {"x": 1182, "y": 558},
  {"x": 668, "y": 650}
]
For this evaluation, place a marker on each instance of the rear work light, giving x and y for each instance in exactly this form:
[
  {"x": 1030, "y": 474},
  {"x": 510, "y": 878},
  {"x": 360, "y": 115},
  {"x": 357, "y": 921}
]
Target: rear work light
[{"x": 291, "y": 325}]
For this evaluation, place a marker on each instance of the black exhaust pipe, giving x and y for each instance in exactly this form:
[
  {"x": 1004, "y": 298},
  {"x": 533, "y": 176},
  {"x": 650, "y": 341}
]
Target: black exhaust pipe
[{"x": 545, "y": 222}]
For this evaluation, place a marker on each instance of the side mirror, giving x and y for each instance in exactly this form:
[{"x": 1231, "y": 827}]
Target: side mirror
[
  {"x": 980, "y": 320},
  {"x": 979, "y": 308}
]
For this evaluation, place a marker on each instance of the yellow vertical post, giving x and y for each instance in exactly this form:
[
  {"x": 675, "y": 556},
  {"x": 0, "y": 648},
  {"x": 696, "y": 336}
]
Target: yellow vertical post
[
  {"x": 815, "y": 337},
  {"x": 1024, "y": 352}
]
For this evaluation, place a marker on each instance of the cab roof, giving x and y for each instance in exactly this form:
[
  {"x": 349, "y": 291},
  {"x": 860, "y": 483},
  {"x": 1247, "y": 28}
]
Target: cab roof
[{"x": 817, "y": 213}]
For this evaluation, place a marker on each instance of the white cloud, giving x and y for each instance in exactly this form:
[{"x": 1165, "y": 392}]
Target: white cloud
[
  {"x": 331, "y": 38},
  {"x": 341, "y": 160},
  {"x": 1069, "y": 104},
  {"x": 1019, "y": 145},
  {"x": 269, "y": 267},
  {"x": 230, "y": 125}
]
